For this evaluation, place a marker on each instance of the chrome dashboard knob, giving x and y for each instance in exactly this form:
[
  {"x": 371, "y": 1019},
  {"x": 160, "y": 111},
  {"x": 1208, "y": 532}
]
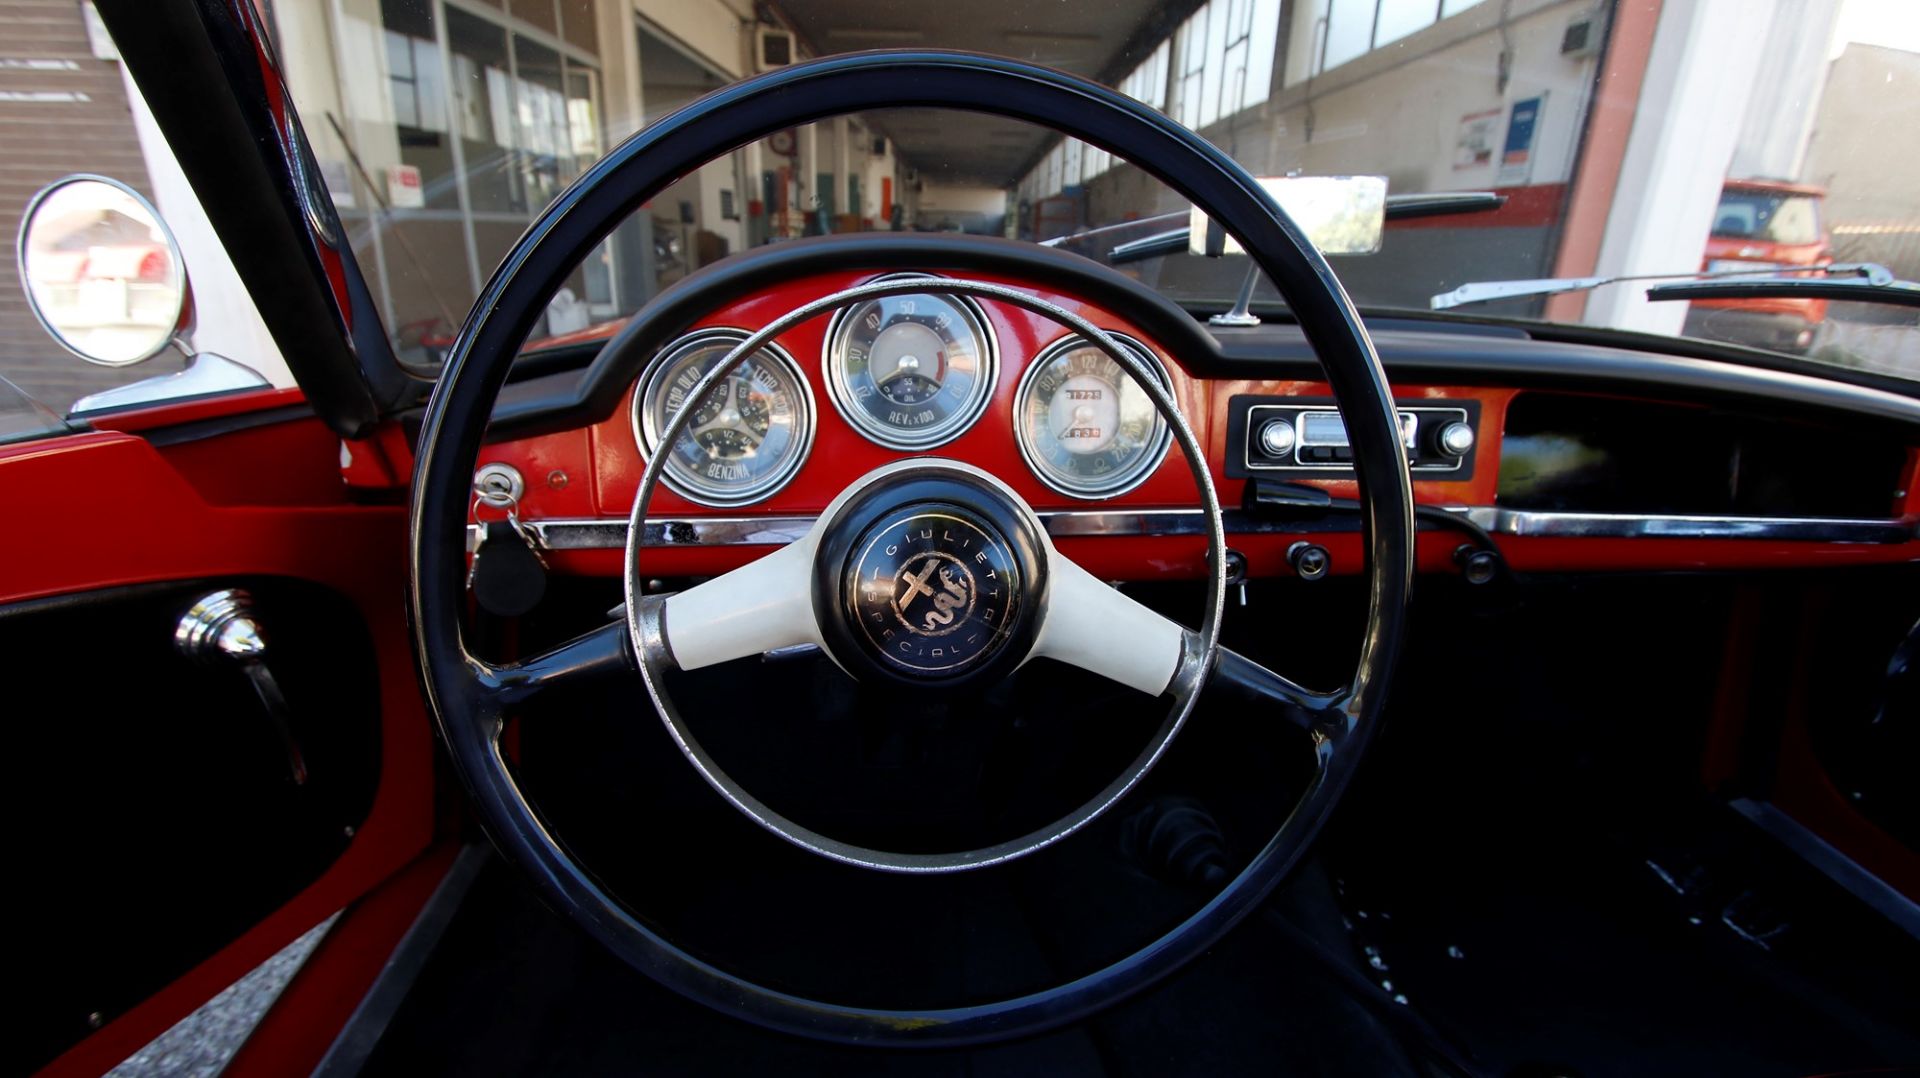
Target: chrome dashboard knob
[
  {"x": 1456, "y": 439},
  {"x": 1276, "y": 438}
]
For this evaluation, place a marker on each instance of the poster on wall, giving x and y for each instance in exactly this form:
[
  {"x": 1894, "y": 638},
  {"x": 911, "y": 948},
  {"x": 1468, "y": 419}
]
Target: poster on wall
[
  {"x": 403, "y": 187},
  {"x": 1516, "y": 157},
  {"x": 1473, "y": 143}
]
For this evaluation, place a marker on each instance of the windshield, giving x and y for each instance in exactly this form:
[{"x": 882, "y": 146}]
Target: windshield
[{"x": 1621, "y": 139}]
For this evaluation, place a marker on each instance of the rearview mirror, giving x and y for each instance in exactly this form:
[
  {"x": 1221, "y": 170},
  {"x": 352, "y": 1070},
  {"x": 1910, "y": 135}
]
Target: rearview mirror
[
  {"x": 102, "y": 272},
  {"x": 1342, "y": 215}
]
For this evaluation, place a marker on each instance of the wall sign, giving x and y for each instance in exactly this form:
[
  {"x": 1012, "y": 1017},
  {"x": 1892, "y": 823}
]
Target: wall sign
[
  {"x": 1516, "y": 158},
  {"x": 403, "y": 187},
  {"x": 1473, "y": 142}
]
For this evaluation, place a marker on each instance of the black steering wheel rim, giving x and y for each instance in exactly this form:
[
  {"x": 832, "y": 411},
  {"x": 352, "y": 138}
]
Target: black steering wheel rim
[{"x": 465, "y": 697}]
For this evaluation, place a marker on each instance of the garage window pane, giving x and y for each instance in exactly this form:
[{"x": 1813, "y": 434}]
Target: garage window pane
[
  {"x": 1398, "y": 18},
  {"x": 1349, "y": 32}
]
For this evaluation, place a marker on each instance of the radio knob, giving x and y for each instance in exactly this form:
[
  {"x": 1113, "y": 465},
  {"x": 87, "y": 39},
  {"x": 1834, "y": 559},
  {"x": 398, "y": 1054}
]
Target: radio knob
[
  {"x": 1455, "y": 439},
  {"x": 1276, "y": 438}
]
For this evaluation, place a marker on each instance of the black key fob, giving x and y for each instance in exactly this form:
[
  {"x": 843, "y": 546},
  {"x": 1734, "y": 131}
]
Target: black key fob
[{"x": 509, "y": 579}]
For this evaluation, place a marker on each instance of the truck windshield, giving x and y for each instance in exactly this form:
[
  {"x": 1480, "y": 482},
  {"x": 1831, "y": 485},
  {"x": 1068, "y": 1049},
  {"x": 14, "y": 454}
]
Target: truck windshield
[{"x": 1762, "y": 215}]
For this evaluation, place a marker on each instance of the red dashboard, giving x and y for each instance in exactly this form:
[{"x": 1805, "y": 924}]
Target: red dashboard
[{"x": 578, "y": 484}]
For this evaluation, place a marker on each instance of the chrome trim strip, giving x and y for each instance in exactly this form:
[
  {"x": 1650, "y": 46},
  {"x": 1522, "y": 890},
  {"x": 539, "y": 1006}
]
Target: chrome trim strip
[
  {"x": 1633, "y": 526},
  {"x": 611, "y": 534},
  {"x": 1073, "y": 523},
  {"x": 1836, "y": 866}
]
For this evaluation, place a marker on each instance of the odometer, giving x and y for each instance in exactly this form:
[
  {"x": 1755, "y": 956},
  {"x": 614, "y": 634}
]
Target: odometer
[
  {"x": 910, "y": 371},
  {"x": 1085, "y": 426},
  {"x": 749, "y": 434}
]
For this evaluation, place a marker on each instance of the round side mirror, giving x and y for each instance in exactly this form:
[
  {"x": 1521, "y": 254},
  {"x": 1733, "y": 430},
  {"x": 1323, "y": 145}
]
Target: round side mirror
[{"x": 102, "y": 272}]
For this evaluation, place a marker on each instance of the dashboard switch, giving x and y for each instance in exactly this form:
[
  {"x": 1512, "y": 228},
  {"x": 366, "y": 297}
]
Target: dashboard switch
[{"x": 1310, "y": 561}]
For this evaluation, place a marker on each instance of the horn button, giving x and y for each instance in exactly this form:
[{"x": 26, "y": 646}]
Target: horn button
[{"x": 932, "y": 579}]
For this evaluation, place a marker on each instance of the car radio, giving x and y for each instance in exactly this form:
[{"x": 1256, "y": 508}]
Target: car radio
[{"x": 1300, "y": 436}]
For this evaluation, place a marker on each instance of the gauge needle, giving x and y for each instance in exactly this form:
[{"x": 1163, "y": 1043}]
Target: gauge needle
[
  {"x": 905, "y": 365},
  {"x": 728, "y": 418}
]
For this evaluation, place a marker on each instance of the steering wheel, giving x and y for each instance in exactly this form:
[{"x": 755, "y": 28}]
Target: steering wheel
[{"x": 946, "y": 535}]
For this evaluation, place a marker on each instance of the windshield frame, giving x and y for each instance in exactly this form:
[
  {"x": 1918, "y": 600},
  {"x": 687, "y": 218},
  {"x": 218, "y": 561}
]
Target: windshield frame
[{"x": 210, "y": 75}]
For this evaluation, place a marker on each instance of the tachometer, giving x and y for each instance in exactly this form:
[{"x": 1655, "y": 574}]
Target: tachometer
[
  {"x": 910, "y": 371},
  {"x": 1085, "y": 426},
  {"x": 749, "y": 435}
]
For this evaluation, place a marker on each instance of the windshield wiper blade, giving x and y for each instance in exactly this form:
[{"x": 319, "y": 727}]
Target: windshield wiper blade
[
  {"x": 1160, "y": 243},
  {"x": 1863, "y": 281},
  {"x": 1419, "y": 204},
  {"x": 1178, "y": 217},
  {"x": 1174, "y": 240}
]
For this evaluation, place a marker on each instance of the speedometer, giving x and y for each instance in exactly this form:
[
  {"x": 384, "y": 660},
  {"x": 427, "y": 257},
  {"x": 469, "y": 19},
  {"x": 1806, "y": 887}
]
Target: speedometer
[
  {"x": 1085, "y": 426},
  {"x": 910, "y": 371},
  {"x": 746, "y": 438}
]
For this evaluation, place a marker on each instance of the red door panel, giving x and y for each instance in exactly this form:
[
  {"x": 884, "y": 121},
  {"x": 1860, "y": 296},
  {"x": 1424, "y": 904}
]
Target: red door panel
[{"x": 205, "y": 499}]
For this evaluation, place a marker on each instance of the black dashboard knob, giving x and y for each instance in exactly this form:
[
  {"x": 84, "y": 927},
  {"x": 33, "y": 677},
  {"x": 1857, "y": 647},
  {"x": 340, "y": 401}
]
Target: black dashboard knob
[{"x": 1310, "y": 561}]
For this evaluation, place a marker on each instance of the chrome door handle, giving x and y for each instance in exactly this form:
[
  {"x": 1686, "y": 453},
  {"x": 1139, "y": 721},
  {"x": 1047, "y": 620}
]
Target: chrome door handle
[{"x": 220, "y": 629}]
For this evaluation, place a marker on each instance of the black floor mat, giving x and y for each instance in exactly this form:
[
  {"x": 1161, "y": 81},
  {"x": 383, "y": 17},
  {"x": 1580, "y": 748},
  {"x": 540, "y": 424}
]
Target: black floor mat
[
  {"x": 515, "y": 989},
  {"x": 1578, "y": 960},
  {"x": 1529, "y": 859}
]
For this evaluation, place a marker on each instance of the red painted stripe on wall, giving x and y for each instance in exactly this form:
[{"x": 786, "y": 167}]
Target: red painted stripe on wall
[{"x": 1537, "y": 206}]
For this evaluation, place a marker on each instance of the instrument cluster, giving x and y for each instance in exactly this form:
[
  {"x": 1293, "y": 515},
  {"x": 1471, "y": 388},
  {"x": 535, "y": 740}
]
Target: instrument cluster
[{"x": 910, "y": 373}]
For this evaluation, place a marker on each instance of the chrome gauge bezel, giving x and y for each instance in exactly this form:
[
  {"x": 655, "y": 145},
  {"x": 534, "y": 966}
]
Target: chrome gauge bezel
[
  {"x": 1121, "y": 481},
  {"x": 962, "y": 419},
  {"x": 646, "y": 429}
]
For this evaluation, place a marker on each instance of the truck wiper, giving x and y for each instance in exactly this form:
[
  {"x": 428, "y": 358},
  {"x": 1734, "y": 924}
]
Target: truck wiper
[
  {"x": 1865, "y": 282},
  {"x": 1174, "y": 240}
]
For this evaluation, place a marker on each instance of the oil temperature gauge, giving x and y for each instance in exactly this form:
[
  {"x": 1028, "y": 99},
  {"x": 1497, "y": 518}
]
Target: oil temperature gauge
[{"x": 1085, "y": 426}]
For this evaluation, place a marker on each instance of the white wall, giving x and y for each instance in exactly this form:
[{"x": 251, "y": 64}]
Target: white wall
[
  {"x": 1398, "y": 110},
  {"x": 1700, "y": 77},
  {"x": 710, "y": 28},
  {"x": 225, "y": 320},
  {"x": 873, "y": 169},
  {"x": 935, "y": 200},
  {"x": 1780, "y": 116}
]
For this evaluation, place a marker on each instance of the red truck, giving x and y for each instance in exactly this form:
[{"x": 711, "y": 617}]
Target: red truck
[{"x": 1765, "y": 226}]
